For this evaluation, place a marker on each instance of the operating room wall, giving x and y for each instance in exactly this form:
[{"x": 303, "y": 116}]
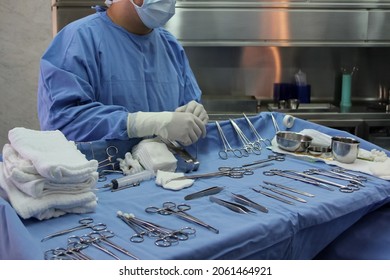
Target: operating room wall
[{"x": 25, "y": 32}]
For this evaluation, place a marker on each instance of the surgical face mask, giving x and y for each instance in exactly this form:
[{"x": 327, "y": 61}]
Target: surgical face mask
[{"x": 155, "y": 13}]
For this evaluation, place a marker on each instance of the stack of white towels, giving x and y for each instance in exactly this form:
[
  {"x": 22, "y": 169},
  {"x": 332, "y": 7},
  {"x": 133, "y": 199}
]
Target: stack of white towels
[{"x": 43, "y": 175}]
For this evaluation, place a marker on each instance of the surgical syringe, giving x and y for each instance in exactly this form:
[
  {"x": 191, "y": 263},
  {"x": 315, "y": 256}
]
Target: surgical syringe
[{"x": 128, "y": 180}]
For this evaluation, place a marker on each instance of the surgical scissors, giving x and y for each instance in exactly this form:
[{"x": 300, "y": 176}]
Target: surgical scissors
[
  {"x": 248, "y": 147},
  {"x": 334, "y": 175},
  {"x": 227, "y": 148},
  {"x": 283, "y": 173},
  {"x": 85, "y": 223},
  {"x": 343, "y": 172},
  {"x": 179, "y": 210},
  {"x": 346, "y": 189},
  {"x": 270, "y": 158},
  {"x": 260, "y": 139},
  {"x": 232, "y": 172}
]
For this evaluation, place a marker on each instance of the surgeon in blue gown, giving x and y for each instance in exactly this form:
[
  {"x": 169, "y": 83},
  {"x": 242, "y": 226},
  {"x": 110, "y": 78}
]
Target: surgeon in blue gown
[{"x": 118, "y": 74}]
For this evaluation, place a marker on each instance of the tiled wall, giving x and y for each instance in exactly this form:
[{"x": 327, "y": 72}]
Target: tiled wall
[{"x": 25, "y": 32}]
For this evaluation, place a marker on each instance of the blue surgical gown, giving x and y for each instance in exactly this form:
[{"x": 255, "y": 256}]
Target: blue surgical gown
[{"x": 95, "y": 72}]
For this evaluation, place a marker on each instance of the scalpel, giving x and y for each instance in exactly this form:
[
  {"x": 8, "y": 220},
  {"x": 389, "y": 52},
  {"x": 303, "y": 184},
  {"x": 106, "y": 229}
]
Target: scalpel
[{"x": 289, "y": 189}]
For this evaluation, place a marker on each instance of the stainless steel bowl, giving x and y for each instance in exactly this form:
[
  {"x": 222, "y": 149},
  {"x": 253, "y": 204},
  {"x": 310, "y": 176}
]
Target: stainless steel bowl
[
  {"x": 316, "y": 150},
  {"x": 293, "y": 141},
  {"x": 345, "y": 149}
]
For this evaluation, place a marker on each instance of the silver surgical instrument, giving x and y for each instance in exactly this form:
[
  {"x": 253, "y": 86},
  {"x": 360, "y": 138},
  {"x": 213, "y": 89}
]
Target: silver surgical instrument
[
  {"x": 230, "y": 205},
  {"x": 179, "y": 210},
  {"x": 276, "y": 126},
  {"x": 72, "y": 252},
  {"x": 249, "y": 147},
  {"x": 85, "y": 223},
  {"x": 186, "y": 161},
  {"x": 344, "y": 172},
  {"x": 347, "y": 189},
  {"x": 165, "y": 237},
  {"x": 333, "y": 175},
  {"x": 103, "y": 174},
  {"x": 289, "y": 189},
  {"x": 111, "y": 152},
  {"x": 103, "y": 236},
  {"x": 282, "y": 173},
  {"x": 86, "y": 239},
  {"x": 274, "y": 196},
  {"x": 246, "y": 201},
  {"x": 205, "y": 192},
  {"x": 232, "y": 172},
  {"x": 227, "y": 148},
  {"x": 270, "y": 158},
  {"x": 260, "y": 139},
  {"x": 284, "y": 194}
]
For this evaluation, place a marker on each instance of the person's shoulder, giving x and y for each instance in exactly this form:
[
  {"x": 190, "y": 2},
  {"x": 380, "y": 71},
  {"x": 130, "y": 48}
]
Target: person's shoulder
[
  {"x": 170, "y": 39},
  {"x": 87, "y": 24},
  {"x": 167, "y": 35}
]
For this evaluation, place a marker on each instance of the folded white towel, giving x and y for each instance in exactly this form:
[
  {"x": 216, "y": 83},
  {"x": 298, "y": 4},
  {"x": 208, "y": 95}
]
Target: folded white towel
[
  {"x": 154, "y": 155},
  {"x": 53, "y": 156},
  {"x": 25, "y": 177},
  {"x": 49, "y": 206},
  {"x": 164, "y": 179},
  {"x": 319, "y": 138}
]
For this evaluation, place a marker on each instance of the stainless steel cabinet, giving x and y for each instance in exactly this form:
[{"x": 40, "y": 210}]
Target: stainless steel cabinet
[{"x": 66, "y": 11}]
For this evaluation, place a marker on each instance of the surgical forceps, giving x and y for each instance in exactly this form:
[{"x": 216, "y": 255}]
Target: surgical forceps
[
  {"x": 232, "y": 172},
  {"x": 85, "y": 223},
  {"x": 227, "y": 148},
  {"x": 276, "y": 126},
  {"x": 282, "y": 173},
  {"x": 246, "y": 201},
  {"x": 164, "y": 237},
  {"x": 260, "y": 139},
  {"x": 248, "y": 147},
  {"x": 87, "y": 239},
  {"x": 179, "y": 210},
  {"x": 103, "y": 236},
  {"x": 72, "y": 252},
  {"x": 111, "y": 152},
  {"x": 347, "y": 189},
  {"x": 270, "y": 158}
]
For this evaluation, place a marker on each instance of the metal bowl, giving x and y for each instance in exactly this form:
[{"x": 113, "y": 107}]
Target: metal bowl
[
  {"x": 293, "y": 141},
  {"x": 345, "y": 149},
  {"x": 316, "y": 150}
]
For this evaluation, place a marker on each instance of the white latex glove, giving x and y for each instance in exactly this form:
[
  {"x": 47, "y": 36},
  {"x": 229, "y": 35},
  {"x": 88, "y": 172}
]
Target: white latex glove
[
  {"x": 196, "y": 109},
  {"x": 185, "y": 128}
]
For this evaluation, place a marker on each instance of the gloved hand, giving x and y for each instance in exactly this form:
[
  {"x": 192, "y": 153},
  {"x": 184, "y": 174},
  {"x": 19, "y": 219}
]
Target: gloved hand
[
  {"x": 196, "y": 109},
  {"x": 185, "y": 128}
]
